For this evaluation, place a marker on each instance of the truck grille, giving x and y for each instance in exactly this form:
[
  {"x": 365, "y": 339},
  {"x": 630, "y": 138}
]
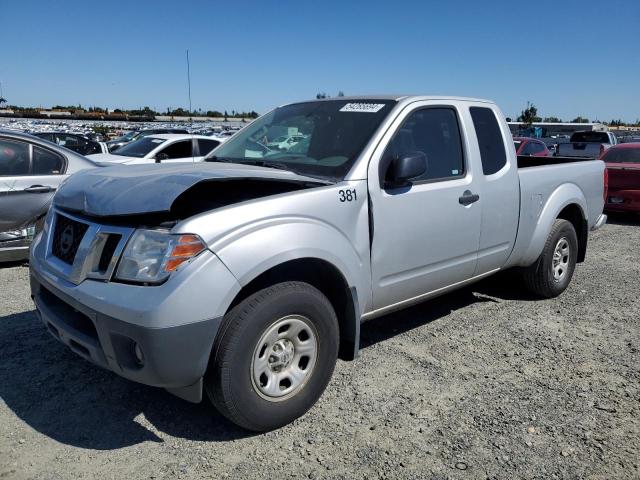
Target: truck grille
[
  {"x": 108, "y": 251},
  {"x": 67, "y": 236}
]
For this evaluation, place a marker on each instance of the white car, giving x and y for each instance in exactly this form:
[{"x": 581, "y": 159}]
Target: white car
[
  {"x": 285, "y": 142},
  {"x": 166, "y": 147}
]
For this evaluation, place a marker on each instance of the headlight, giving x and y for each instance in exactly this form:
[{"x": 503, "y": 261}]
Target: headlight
[{"x": 151, "y": 255}]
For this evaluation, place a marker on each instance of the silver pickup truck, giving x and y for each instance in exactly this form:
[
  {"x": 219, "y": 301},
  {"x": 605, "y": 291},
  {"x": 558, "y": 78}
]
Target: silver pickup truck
[
  {"x": 587, "y": 144},
  {"x": 247, "y": 276}
]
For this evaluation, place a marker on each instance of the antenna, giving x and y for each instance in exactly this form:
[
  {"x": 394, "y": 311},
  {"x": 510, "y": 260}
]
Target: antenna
[
  {"x": 189, "y": 82},
  {"x": 193, "y": 159}
]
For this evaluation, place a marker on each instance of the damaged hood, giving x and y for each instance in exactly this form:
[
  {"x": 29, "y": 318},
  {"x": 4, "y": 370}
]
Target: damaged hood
[{"x": 138, "y": 189}]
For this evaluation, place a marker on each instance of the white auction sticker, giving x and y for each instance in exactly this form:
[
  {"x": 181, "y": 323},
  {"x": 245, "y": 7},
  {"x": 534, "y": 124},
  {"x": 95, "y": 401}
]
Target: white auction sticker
[{"x": 362, "y": 107}]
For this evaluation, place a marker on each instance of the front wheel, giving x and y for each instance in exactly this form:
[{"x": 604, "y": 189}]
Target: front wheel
[
  {"x": 550, "y": 275},
  {"x": 274, "y": 356}
]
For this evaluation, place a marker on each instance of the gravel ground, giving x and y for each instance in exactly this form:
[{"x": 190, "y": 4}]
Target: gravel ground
[{"x": 482, "y": 383}]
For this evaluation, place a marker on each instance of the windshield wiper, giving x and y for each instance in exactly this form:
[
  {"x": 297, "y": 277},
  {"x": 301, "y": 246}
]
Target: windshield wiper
[
  {"x": 278, "y": 165},
  {"x": 215, "y": 158}
]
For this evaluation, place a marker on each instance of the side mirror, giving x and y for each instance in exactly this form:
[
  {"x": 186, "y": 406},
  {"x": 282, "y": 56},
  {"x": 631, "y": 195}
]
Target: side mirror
[
  {"x": 403, "y": 169},
  {"x": 161, "y": 156}
]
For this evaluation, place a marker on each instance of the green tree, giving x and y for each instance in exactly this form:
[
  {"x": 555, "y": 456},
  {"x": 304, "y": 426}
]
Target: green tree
[
  {"x": 552, "y": 120},
  {"x": 179, "y": 112},
  {"x": 580, "y": 119},
  {"x": 529, "y": 115},
  {"x": 321, "y": 95}
]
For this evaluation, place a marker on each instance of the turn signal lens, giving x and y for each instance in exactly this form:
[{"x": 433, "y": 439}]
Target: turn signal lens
[{"x": 188, "y": 246}]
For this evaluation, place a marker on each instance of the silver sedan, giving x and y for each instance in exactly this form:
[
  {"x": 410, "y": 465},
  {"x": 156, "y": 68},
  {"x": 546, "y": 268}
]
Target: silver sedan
[{"x": 31, "y": 169}]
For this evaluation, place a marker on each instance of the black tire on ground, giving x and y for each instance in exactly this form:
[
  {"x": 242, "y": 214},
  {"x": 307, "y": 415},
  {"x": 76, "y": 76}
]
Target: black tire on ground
[
  {"x": 539, "y": 278},
  {"x": 229, "y": 381}
]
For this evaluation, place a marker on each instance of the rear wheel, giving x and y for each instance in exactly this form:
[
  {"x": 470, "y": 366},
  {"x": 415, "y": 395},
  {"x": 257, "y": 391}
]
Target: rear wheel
[
  {"x": 274, "y": 356},
  {"x": 551, "y": 274}
]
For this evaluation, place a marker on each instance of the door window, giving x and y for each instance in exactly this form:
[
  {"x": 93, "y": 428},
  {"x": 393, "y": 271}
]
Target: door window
[
  {"x": 46, "y": 162},
  {"x": 181, "y": 149},
  {"x": 492, "y": 151},
  {"x": 434, "y": 132},
  {"x": 14, "y": 158},
  {"x": 205, "y": 146}
]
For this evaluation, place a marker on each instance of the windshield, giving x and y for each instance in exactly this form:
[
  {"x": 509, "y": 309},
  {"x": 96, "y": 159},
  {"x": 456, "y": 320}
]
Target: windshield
[
  {"x": 138, "y": 148},
  {"x": 128, "y": 137},
  {"x": 517, "y": 144},
  {"x": 328, "y": 137},
  {"x": 622, "y": 155}
]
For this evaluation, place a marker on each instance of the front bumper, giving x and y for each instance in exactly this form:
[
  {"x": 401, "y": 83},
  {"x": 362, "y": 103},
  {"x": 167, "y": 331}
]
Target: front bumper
[
  {"x": 160, "y": 336},
  {"x": 14, "y": 251},
  {"x": 14, "y": 246}
]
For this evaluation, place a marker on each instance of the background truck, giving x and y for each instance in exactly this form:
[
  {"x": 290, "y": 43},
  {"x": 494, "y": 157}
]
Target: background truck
[
  {"x": 245, "y": 277},
  {"x": 587, "y": 144}
]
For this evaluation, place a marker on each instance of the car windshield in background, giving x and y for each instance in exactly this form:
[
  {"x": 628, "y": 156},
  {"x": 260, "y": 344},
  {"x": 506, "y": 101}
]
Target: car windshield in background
[
  {"x": 138, "y": 148},
  {"x": 622, "y": 155},
  {"x": 125, "y": 138},
  {"x": 327, "y": 137},
  {"x": 517, "y": 145},
  {"x": 590, "y": 137}
]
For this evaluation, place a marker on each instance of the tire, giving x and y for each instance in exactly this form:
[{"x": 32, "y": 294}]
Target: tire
[
  {"x": 273, "y": 331},
  {"x": 547, "y": 277}
]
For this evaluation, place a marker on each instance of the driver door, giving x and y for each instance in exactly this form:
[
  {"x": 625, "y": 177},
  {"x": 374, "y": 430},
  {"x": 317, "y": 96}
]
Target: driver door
[{"x": 425, "y": 237}]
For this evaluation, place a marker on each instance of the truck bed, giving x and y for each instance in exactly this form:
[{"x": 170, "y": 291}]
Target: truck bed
[
  {"x": 541, "y": 180},
  {"x": 526, "y": 161}
]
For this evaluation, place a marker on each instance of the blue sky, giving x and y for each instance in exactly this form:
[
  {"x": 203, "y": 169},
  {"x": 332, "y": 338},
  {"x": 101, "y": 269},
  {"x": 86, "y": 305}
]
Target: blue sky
[{"x": 569, "y": 58}]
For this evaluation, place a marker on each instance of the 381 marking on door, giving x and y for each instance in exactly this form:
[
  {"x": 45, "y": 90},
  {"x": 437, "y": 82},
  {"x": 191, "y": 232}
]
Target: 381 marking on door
[{"x": 348, "y": 195}]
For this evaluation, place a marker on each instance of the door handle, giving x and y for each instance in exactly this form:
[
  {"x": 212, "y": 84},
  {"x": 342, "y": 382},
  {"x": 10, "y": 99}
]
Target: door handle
[
  {"x": 38, "y": 189},
  {"x": 468, "y": 198}
]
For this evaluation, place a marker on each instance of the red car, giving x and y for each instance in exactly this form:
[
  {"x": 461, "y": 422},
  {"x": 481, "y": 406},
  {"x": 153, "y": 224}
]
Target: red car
[
  {"x": 623, "y": 168},
  {"x": 530, "y": 147}
]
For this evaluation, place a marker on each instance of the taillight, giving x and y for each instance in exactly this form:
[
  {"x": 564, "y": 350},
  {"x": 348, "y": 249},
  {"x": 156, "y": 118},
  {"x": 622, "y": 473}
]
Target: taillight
[{"x": 605, "y": 180}]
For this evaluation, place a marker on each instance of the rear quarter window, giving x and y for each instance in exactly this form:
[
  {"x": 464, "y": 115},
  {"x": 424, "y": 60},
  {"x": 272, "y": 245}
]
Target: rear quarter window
[
  {"x": 492, "y": 150},
  {"x": 46, "y": 162}
]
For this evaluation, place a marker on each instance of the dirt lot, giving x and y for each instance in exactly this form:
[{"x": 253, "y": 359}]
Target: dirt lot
[{"x": 482, "y": 383}]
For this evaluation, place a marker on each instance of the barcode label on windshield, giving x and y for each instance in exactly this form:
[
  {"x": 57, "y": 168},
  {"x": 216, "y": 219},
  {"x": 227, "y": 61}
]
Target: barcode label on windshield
[{"x": 362, "y": 107}]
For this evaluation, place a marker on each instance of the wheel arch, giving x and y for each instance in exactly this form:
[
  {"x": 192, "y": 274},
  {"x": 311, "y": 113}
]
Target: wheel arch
[
  {"x": 327, "y": 278},
  {"x": 566, "y": 202},
  {"x": 573, "y": 213}
]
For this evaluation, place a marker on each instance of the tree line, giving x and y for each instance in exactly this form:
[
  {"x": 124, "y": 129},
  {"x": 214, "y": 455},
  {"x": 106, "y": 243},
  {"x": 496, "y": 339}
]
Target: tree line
[
  {"x": 139, "y": 112},
  {"x": 530, "y": 115}
]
